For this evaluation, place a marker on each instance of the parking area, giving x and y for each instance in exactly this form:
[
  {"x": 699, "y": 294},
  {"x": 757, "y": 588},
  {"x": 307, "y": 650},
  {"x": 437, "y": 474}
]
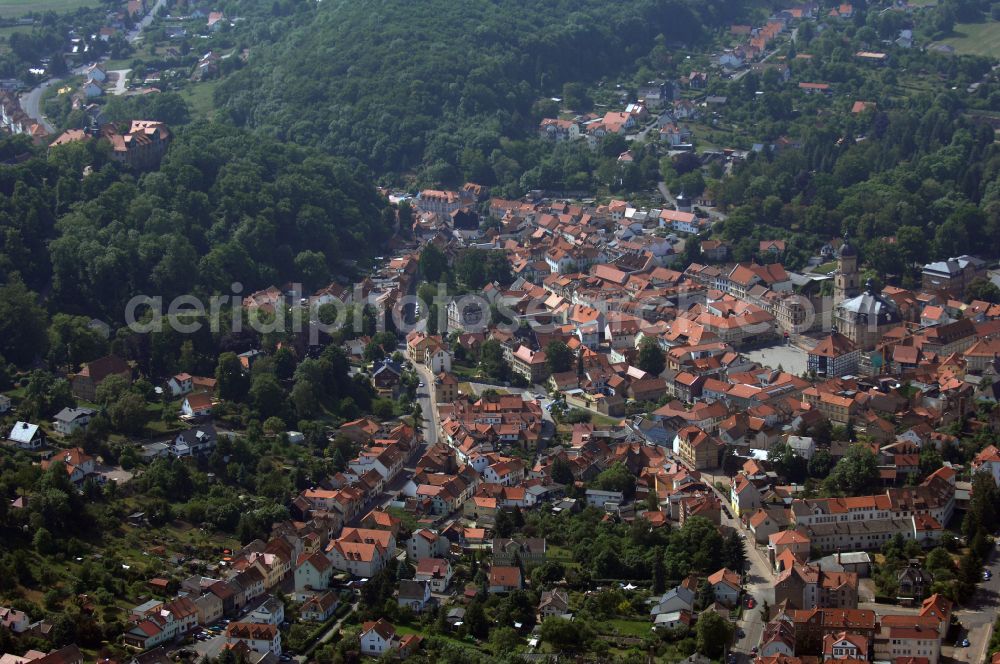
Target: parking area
[
  {"x": 791, "y": 358},
  {"x": 209, "y": 642}
]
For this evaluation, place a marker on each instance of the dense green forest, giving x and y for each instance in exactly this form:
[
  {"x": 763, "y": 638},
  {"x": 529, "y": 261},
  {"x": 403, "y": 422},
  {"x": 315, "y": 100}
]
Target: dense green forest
[
  {"x": 225, "y": 206},
  {"x": 437, "y": 84}
]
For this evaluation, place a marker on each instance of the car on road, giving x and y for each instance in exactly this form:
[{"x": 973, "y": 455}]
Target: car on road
[
  {"x": 420, "y": 384},
  {"x": 987, "y": 575},
  {"x": 962, "y": 643},
  {"x": 740, "y": 633},
  {"x": 754, "y": 650},
  {"x": 751, "y": 602}
]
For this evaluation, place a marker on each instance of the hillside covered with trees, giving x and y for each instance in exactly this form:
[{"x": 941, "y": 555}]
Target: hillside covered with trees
[
  {"x": 439, "y": 84},
  {"x": 225, "y": 206}
]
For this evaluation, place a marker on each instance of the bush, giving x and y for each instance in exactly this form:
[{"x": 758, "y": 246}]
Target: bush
[{"x": 576, "y": 416}]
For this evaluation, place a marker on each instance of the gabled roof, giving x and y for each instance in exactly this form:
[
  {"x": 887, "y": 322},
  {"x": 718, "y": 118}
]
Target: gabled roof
[
  {"x": 834, "y": 345},
  {"x": 381, "y": 627},
  {"x": 725, "y": 576}
]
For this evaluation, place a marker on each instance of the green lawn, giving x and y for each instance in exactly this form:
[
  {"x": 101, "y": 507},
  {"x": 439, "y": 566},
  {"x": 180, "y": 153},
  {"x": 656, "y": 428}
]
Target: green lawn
[
  {"x": 626, "y": 627},
  {"x": 404, "y": 630},
  {"x": 825, "y": 268},
  {"x": 199, "y": 99},
  {"x": 12, "y": 8},
  {"x": 976, "y": 39},
  {"x": 603, "y": 420},
  {"x": 562, "y": 555},
  {"x": 6, "y": 32}
]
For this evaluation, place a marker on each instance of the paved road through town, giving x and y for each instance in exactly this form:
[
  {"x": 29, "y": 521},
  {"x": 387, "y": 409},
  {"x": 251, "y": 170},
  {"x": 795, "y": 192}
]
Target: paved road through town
[
  {"x": 977, "y": 618},
  {"x": 758, "y": 583}
]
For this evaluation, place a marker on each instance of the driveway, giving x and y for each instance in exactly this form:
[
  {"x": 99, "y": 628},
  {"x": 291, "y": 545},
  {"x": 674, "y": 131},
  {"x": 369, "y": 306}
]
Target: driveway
[
  {"x": 977, "y": 618},
  {"x": 120, "y": 77}
]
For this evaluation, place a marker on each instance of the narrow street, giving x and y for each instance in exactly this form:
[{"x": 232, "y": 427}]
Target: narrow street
[
  {"x": 428, "y": 405},
  {"x": 759, "y": 584}
]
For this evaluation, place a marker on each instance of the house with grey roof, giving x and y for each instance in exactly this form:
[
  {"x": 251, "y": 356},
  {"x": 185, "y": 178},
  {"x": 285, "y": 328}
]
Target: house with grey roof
[
  {"x": 27, "y": 436},
  {"x": 68, "y": 420},
  {"x": 675, "y": 599}
]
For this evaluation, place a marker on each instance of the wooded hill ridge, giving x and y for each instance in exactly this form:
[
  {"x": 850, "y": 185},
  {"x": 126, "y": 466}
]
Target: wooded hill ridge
[{"x": 399, "y": 85}]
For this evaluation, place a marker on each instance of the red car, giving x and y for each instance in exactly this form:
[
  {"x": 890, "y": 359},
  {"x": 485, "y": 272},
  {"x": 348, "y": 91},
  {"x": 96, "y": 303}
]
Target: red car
[{"x": 751, "y": 603}]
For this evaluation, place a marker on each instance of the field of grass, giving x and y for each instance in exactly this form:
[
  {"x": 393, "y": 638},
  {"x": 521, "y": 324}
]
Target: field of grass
[
  {"x": 6, "y": 32},
  {"x": 559, "y": 554},
  {"x": 825, "y": 268},
  {"x": 976, "y": 39},
  {"x": 626, "y": 627},
  {"x": 603, "y": 420},
  {"x": 467, "y": 644},
  {"x": 199, "y": 99},
  {"x": 13, "y": 8}
]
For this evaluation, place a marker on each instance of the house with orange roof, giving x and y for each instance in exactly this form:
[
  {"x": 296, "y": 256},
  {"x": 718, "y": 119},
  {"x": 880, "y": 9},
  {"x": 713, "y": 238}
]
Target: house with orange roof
[
  {"x": 312, "y": 572},
  {"x": 697, "y": 448},
  {"x": 982, "y": 354},
  {"x": 744, "y": 497},
  {"x": 905, "y": 636},
  {"x": 846, "y": 645},
  {"x": 834, "y": 356},
  {"x": 426, "y": 543},
  {"x": 815, "y": 88},
  {"x": 796, "y": 542},
  {"x": 361, "y": 559},
  {"x": 380, "y": 520},
  {"x": 505, "y": 579},
  {"x": 939, "y": 607},
  {"x": 726, "y": 586},
  {"x": 988, "y": 460},
  {"x": 558, "y": 130},
  {"x": 436, "y": 572},
  {"x": 762, "y": 525},
  {"x": 379, "y": 638},
  {"x": 529, "y": 364},
  {"x": 77, "y": 463},
  {"x": 198, "y": 404}
]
